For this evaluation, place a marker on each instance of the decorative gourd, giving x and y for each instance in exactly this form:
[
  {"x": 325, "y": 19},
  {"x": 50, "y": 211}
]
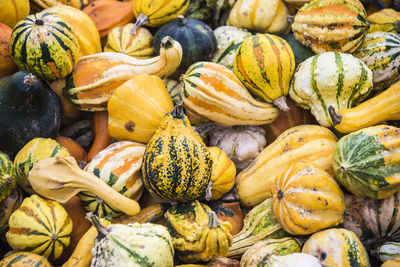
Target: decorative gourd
[
  {"x": 294, "y": 259},
  {"x": 176, "y": 165},
  {"x": 330, "y": 79},
  {"x": 241, "y": 143},
  {"x": 221, "y": 262},
  {"x": 326, "y": 25},
  {"x": 212, "y": 91},
  {"x": 197, "y": 233},
  {"x": 337, "y": 247},
  {"x": 8, "y": 177},
  {"x": 70, "y": 113},
  {"x": 365, "y": 161},
  {"x": 221, "y": 10},
  {"x": 310, "y": 143},
  {"x": 228, "y": 212},
  {"x": 81, "y": 131},
  {"x": 196, "y": 38},
  {"x": 300, "y": 52},
  {"x": 44, "y": 44},
  {"x": 265, "y": 63},
  {"x": 95, "y": 77},
  {"x": 102, "y": 138},
  {"x": 21, "y": 259},
  {"x": 259, "y": 224},
  {"x": 137, "y": 107},
  {"x": 132, "y": 244},
  {"x": 173, "y": 89},
  {"x": 270, "y": 18},
  {"x": 74, "y": 149},
  {"x": 388, "y": 251},
  {"x": 122, "y": 40},
  {"x": 258, "y": 254},
  {"x": 13, "y": 11},
  {"x": 228, "y": 39},
  {"x": 297, "y": 4},
  {"x": 82, "y": 27},
  {"x": 384, "y": 20},
  {"x": 392, "y": 263},
  {"x": 118, "y": 166},
  {"x": 380, "y": 52},
  {"x": 306, "y": 199},
  {"x": 33, "y": 152},
  {"x": 7, "y": 207},
  {"x": 79, "y": 4},
  {"x": 40, "y": 226},
  {"x": 198, "y": 9},
  {"x": 7, "y": 66}
]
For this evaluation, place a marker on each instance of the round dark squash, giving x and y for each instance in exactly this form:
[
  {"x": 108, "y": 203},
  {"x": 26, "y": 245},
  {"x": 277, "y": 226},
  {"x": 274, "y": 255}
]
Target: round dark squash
[
  {"x": 196, "y": 38},
  {"x": 300, "y": 51}
]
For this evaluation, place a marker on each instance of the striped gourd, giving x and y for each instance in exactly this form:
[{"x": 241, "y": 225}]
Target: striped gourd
[
  {"x": 7, "y": 176},
  {"x": 44, "y": 44},
  {"x": 40, "y": 226},
  {"x": 173, "y": 89},
  {"x": 330, "y": 79},
  {"x": 331, "y": 25},
  {"x": 388, "y": 251},
  {"x": 24, "y": 259},
  {"x": 79, "y": 4},
  {"x": 380, "y": 51},
  {"x": 213, "y": 91},
  {"x": 7, "y": 207},
  {"x": 366, "y": 161},
  {"x": 265, "y": 63},
  {"x": 176, "y": 165},
  {"x": 118, "y": 165}
]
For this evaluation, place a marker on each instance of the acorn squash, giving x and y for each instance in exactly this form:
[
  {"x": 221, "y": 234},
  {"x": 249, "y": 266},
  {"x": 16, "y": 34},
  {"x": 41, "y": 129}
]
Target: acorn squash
[
  {"x": 7, "y": 66},
  {"x": 300, "y": 52}
]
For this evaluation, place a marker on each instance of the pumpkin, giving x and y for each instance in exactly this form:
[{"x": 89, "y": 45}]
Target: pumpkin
[
  {"x": 241, "y": 143},
  {"x": 118, "y": 166},
  {"x": 300, "y": 52},
  {"x": 28, "y": 109},
  {"x": 7, "y": 207},
  {"x": 102, "y": 138},
  {"x": 365, "y": 162},
  {"x": 44, "y": 44},
  {"x": 40, "y": 226},
  {"x": 13, "y": 11},
  {"x": 306, "y": 199},
  {"x": 21, "y": 259},
  {"x": 137, "y": 107},
  {"x": 270, "y": 18},
  {"x": 33, "y": 152},
  {"x": 8, "y": 178},
  {"x": 310, "y": 143},
  {"x": 265, "y": 63},
  {"x": 7, "y": 66},
  {"x": 330, "y": 79},
  {"x": 326, "y": 25},
  {"x": 196, "y": 38},
  {"x": 294, "y": 259},
  {"x": 122, "y": 40},
  {"x": 176, "y": 165},
  {"x": 388, "y": 251},
  {"x": 228, "y": 212},
  {"x": 212, "y": 91},
  {"x": 173, "y": 89},
  {"x": 337, "y": 247},
  {"x": 384, "y": 20}
]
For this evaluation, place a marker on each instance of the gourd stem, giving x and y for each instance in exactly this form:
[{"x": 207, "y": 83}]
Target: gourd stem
[
  {"x": 280, "y": 102},
  {"x": 336, "y": 118},
  {"x": 166, "y": 42},
  {"x": 101, "y": 229},
  {"x": 141, "y": 20},
  {"x": 30, "y": 80},
  {"x": 181, "y": 21},
  {"x": 208, "y": 191},
  {"x": 177, "y": 112},
  {"x": 204, "y": 128},
  {"x": 213, "y": 221},
  {"x": 39, "y": 22}
]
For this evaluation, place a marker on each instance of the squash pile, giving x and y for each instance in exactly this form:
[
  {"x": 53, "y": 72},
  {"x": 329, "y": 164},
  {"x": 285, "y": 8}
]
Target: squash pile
[{"x": 199, "y": 133}]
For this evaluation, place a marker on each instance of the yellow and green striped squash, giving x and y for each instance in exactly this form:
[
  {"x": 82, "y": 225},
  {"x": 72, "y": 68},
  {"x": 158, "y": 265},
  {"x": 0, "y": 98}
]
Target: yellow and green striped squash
[
  {"x": 44, "y": 44},
  {"x": 176, "y": 165},
  {"x": 265, "y": 63},
  {"x": 118, "y": 165},
  {"x": 7, "y": 176},
  {"x": 331, "y": 25},
  {"x": 24, "y": 259},
  {"x": 366, "y": 162},
  {"x": 40, "y": 226}
]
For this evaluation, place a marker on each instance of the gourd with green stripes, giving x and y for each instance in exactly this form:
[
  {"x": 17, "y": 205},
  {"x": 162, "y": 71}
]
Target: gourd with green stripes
[
  {"x": 388, "y": 251},
  {"x": 118, "y": 165},
  {"x": 380, "y": 51},
  {"x": 44, "y": 44},
  {"x": 330, "y": 79},
  {"x": 7, "y": 176},
  {"x": 173, "y": 89},
  {"x": 25, "y": 259}
]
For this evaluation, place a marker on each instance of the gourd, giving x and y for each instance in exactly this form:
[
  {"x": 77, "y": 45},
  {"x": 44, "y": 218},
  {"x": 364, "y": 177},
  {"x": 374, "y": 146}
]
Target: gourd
[
  {"x": 388, "y": 251},
  {"x": 259, "y": 224},
  {"x": 28, "y": 109},
  {"x": 33, "y": 152},
  {"x": 121, "y": 39},
  {"x": 221, "y": 262},
  {"x": 44, "y": 44},
  {"x": 81, "y": 131},
  {"x": 300, "y": 52},
  {"x": 137, "y": 107},
  {"x": 95, "y": 77},
  {"x": 74, "y": 148},
  {"x": 173, "y": 89},
  {"x": 379, "y": 52},
  {"x": 69, "y": 113},
  {"x": 306, "y": 199},
  {"x": 102, "y": 138},
  {"x": 197, "y": 233},
  {"x": 79, "y": 4},
  {"x": 310, "y": 143},
  {"x": 337, "y": 247},
  {"x": 265, "y": 63},
  {"x": 8, "y": 177},
  {"x": 166, "y": 170},
  {"x": 40, "y": 226},
  {"x": 196, "y": 38},
  {"x": 365, "y": 162},
  {"x": 270, "y": 18},
  {"x": 22, "y": 259},
  {"x": 241, "y": 143},
  {"x": 294, "y": 259},
  {"x": 297, "y": 4},
  {"x": 326, "y": 25},
  {"x": 330, "y": 79},
  {"x": 198, "y": 9},
  {"x": 212, "y": 91},
  {"x": 384, "y": 20},
  {"x": 392, "y": 263},
  {"x": 7, "y": 207},
  {"x": 7, "y": 66},
  {"x": 228, "y": 212},
  {"x": 13, "y": 11},
  {"x": 118, "y": 165}
]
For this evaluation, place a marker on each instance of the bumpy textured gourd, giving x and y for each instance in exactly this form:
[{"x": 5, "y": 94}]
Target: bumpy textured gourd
[
  {"x": 385, "y": 20},
  {"x": 294, "y": 259},
  {"x": 8, "y": 177}
]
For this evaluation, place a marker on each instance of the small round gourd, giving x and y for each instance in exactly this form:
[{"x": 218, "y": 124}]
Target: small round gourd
[{"x": 21, "y": 259}]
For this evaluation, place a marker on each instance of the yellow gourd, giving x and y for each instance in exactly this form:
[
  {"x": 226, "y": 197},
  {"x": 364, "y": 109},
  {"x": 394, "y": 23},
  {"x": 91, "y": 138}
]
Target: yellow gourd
[{"x": 12, "y": 11}]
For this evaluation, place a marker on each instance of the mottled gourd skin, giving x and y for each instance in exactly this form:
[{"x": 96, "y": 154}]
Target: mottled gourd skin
[
  {"x": 7, "y": 176},
  {"x": 176, "y": 165}
]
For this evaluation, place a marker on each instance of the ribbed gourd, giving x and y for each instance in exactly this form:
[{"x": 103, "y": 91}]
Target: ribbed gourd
[
  {"x": 265, "y": 63},
  {"x": 330, "y": 80},
  {"x": 365, "y": 162},
  {"x": 176, "y": 165},
  {"x": 12, "y": 11},
  {"x": 384, "y": 20},
  {"x": 331, "y": 25},
  {"x": 388, "y": 251},
  {"x": 8, "y": 177},
  {"x": 44, "y": 44},
  {"x": 25, "y": 259}
]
